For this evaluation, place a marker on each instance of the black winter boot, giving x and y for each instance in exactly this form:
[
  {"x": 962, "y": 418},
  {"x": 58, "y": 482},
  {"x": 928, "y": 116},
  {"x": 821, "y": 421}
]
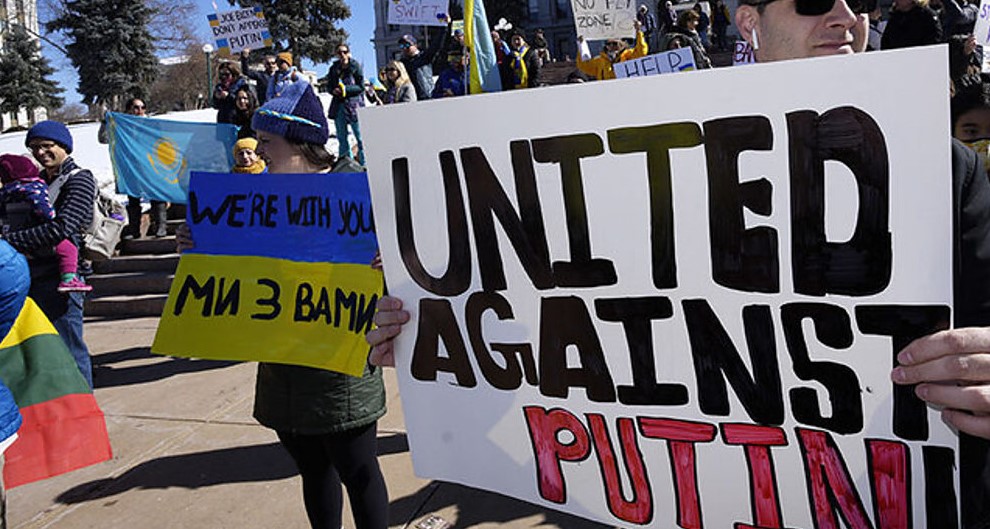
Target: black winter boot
[
  {"x": 133, "y": 229},
  {"x": 159, "y": 219}
]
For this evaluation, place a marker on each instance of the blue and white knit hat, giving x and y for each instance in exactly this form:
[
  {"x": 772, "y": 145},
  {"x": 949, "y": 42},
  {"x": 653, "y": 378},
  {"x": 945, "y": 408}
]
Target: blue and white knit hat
[{"x": 296, "y": 115}]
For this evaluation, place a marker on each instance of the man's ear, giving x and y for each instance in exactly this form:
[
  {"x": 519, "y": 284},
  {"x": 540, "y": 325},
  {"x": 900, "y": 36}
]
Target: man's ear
[{"x": 748, "y": 20}]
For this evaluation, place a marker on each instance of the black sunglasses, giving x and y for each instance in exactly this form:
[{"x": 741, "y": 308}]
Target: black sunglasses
[{"x": 814, "y": 8}]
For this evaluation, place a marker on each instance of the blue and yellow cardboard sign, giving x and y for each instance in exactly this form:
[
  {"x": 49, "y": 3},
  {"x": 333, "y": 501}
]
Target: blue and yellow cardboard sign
[
  {"x": 240, "y": 29},
  {"x": 152, "y": 158},
  {"x": 280, "y": 272}
]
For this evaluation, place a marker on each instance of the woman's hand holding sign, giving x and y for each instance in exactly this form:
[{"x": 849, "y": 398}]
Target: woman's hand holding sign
[
  {"x": 183, "y": 238},
  {"x": 952, "y": 370},
  {"x": 389, "y": 318}
]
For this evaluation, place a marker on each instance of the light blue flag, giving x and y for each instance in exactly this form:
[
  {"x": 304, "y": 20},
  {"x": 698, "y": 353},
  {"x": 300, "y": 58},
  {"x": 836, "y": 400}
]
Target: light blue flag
[
  {"x": 152, "y": 157},
  {"x": 483, "y": 74}
]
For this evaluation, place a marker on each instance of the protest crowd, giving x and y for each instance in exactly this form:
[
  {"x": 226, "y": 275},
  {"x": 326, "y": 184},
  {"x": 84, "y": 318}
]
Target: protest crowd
[{"x": 327, "y": 421}]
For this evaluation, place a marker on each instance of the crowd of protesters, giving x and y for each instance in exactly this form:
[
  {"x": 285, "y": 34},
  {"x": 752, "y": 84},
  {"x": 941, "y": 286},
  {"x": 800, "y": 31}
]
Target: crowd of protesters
[{"x": 283, "y": 123}]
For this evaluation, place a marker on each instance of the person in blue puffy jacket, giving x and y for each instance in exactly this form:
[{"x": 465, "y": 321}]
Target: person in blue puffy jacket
[{"x": 14, "y": 283}]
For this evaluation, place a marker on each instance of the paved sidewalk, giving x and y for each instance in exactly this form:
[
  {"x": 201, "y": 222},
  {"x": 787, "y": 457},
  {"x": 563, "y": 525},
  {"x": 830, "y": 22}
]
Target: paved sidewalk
[{"x": 187, "y": 454}]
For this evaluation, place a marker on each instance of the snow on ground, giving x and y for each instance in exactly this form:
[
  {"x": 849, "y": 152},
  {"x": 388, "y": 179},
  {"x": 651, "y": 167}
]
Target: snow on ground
[{"x": 95, "y": 156}]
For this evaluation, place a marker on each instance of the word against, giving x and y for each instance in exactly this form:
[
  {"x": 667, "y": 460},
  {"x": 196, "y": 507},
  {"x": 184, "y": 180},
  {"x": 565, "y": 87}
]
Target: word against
[{"x": 678, "y": 60}]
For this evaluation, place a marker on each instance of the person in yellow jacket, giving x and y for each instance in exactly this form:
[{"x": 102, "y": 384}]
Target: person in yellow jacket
[{"x": 615, "y": 51}]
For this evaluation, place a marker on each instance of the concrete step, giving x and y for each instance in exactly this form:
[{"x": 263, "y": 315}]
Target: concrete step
[
  {"x": 138, "y": 263},
  {"x": 126, "y": 306},
  {"x": 163, "y": 245},
  {"x": 172, "y": 224},
  {"x": 131, "y": 283}
]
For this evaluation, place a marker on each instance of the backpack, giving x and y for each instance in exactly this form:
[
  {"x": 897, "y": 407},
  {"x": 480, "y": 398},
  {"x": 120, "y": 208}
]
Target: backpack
[{"x": 102, "y": 236}]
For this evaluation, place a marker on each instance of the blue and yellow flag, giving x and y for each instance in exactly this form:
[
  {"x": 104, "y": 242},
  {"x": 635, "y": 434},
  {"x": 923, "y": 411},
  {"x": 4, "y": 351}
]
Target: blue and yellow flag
[
  {"x": 152, "y": 158},
  {"x": 280, "y": 272},
  {"x": 483, "y": 75}
]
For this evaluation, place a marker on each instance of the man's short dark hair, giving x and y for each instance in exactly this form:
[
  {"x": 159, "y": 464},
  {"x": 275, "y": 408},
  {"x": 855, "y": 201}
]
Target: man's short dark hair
[{"x": 972, "y": 92}]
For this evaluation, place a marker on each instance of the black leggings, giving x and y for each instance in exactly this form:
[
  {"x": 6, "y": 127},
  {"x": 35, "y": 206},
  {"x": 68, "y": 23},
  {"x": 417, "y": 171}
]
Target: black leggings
[{"x": 325, "y": 461}]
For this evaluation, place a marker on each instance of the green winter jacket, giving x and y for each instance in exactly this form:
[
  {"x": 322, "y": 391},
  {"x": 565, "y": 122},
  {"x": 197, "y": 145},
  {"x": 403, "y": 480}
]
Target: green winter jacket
[{"x": 310, "y": 401}]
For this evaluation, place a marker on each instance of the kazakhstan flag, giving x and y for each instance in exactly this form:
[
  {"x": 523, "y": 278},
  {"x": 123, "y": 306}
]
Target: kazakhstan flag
[{"x": 152, "y": 157}]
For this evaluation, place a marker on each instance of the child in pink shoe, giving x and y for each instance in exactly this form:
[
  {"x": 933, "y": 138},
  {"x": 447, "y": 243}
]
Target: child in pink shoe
[{"x": 22, "y": 183}]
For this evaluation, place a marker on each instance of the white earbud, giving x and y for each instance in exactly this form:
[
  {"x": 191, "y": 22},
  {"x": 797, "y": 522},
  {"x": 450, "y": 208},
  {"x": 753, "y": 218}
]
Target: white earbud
[{"x": 756, "y": 42}]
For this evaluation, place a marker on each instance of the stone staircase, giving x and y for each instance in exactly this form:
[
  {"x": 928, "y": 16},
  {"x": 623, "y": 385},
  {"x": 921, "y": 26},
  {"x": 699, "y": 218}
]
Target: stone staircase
[{"x": 134, "y": 283}]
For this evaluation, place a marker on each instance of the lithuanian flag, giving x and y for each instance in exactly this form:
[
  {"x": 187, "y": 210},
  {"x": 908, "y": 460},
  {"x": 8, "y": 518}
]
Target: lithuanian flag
[{"x": 63, "y": 427}]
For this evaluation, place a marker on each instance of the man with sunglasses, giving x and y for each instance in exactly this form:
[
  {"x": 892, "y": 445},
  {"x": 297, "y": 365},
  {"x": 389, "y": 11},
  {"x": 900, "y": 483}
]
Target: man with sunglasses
[
  {"x": 158, "y": 214},
  {"x": 419, "y": 63},
  {"x": 951, "y": 368},
  {"x": 263, "y": 78},
  {"x": 345, "y": 80}
]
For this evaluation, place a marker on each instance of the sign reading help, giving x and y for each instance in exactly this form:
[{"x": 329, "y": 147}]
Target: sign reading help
[
  {"x": 679, "y": 60},
  {"x": 417, "y": 12},
  {"x": 240, "y": 29},
  {"x": 604, "y": 19},
  {"x": 678, "y": 315},
  {"x": 280, "y": 272}
]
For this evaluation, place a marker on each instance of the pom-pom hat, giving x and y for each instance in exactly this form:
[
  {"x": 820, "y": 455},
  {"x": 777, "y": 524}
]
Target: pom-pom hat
[
  {"x": 296, "y": 115},
  {"x": 14, "y": 167}
]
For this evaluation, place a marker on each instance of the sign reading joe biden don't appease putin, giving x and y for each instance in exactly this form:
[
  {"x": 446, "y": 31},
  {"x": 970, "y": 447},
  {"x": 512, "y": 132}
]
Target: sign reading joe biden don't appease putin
[{"x": 678, "y": 315}]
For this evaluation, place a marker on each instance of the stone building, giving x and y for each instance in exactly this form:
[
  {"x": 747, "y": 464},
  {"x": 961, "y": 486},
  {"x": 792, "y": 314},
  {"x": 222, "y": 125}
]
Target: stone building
[{"x": 553, "y": 16}]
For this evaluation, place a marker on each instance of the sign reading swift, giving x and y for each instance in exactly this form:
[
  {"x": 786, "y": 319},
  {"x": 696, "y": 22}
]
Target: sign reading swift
[{"x": 417, "y": 12}]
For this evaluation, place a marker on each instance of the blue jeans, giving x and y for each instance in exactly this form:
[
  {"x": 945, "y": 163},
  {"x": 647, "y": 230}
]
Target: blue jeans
[
  {"x": 344, "y": 146},
  {"x": 66, "y": 313}
]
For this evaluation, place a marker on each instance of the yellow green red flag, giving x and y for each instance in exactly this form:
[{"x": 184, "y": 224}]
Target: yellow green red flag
[{"x": 63, "y": 427}]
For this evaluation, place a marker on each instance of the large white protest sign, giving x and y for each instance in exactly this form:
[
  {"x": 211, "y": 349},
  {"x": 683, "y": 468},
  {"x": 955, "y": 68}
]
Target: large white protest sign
[
  {"x": 240, "y": 29},
  {"x": 679, "y": 60},
  {"x": 678, "y": 315},
  {"x": 417, "y": 12},
  {"x": 604, "y": 19}
]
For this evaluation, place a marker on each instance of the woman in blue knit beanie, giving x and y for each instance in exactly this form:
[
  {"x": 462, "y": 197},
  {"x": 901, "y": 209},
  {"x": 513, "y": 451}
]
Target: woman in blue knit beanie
[{"x": 327, "y": 421}]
